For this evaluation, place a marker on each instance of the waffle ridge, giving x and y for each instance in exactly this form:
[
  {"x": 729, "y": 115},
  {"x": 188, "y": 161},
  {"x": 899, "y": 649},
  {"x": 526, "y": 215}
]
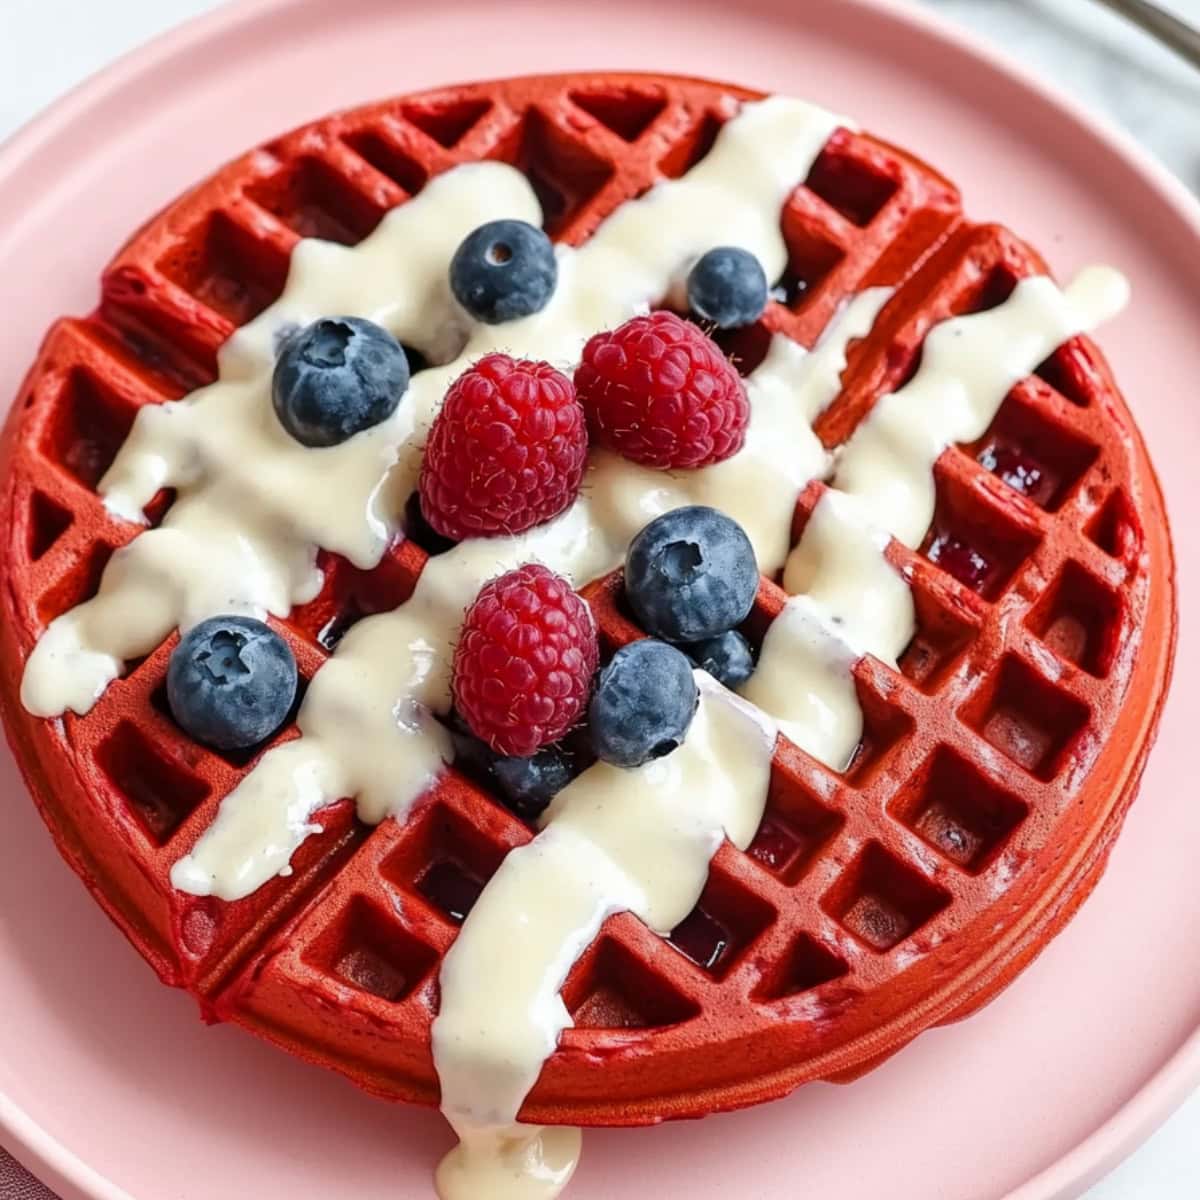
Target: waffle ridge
[{"x": 995, "y": 768}]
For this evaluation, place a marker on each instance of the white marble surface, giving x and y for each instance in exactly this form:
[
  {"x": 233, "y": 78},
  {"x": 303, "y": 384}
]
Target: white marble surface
[
  {"x": 1105, "y": 62},
  {"x": 46, "y": 46}
]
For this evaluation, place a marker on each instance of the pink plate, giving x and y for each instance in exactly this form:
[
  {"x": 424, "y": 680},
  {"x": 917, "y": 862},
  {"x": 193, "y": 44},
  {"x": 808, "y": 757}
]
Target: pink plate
[{"x": 109, "y": 1086}]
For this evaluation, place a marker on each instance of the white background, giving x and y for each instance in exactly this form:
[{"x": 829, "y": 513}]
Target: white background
[{"x": 46, "y": 46}]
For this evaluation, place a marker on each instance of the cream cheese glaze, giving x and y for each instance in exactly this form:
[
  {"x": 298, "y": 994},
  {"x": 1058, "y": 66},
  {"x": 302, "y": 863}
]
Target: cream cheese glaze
[
  {"x": 847, "y": 599},
  {"x": 850, "y": 602},
  {"x": 612, "y": 841}
]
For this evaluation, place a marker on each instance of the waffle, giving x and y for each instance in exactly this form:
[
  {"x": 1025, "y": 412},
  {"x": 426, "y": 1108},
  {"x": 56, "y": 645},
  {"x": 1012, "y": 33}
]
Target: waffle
[{"x": 996, "y": 765}]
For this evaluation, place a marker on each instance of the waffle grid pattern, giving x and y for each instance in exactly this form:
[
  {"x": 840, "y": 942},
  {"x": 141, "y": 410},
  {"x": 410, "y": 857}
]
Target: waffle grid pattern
[{"x": 862, "y": 896}]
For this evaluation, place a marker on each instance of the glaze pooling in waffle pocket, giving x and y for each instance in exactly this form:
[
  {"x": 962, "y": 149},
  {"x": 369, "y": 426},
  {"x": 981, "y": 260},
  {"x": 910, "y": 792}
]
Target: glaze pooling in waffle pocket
[{"x": 235, "y": 540}]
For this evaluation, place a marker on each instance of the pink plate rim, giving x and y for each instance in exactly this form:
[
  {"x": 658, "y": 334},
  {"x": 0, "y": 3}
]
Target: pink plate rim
[{"x": 64, "y": 1171}]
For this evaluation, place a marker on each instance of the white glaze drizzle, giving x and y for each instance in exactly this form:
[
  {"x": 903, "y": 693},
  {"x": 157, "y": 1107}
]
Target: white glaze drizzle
[
  {"x": 612, "y": 841},
  {"x": 847, "y": 598}
]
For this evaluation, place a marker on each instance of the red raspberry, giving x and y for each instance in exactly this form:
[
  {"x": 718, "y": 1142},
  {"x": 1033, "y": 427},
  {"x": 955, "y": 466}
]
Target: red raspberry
[
  {"x": 524, "y": 662},
  {"x": 506, "y": 452},
  {"x": 660, "y": 392}
]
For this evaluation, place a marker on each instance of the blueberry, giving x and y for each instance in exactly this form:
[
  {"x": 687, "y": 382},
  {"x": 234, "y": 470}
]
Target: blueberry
[
  {"x": 691, "y": 574},
  {"x": 643, "y": 704},
  {"x": 335, "y": 378},
  {"x": 728, "y": 287},
  {"x": 231, "y": 682},
  {"x": 526, "y": 785},
  {"x": 529, "y": 784},
  {"x": 471, "y": 755},
  {"x": 504, "y": 270},
  {"x": 726, "y": 657}
]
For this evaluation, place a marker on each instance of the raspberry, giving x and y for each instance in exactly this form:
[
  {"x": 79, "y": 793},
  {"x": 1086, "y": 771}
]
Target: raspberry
[
  {"x": 524, "y": 662},
  {"x": 660, "y": 392},
  {"x": 506, "y": 452}
]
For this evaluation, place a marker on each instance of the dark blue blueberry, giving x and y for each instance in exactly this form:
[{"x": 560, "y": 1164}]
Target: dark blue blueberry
[
  {"x": 726, "y": 657},
  {"x": 231, "y": 682},
  {"x": 643, "y": 704},
  {"x": 335, "y": 378},
  {"x": 691, "y": 574},
  {"x": 527, "y": 785},
  {"x": 471, "y": 755},
  {"x": 504, "y": 270},
  {"x": 727, "y": 286}
]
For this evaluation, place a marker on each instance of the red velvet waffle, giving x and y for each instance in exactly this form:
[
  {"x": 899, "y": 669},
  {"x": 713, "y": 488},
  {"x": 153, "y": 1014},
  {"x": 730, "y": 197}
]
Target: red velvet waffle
[{"x": 996, "y": 765}]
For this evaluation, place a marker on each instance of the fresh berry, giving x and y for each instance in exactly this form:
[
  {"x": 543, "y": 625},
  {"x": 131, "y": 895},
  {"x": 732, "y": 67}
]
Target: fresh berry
[
  {"x": 727, "y": 286},
  {"x": 335, "y": 378},
  {"x": 529, "y": 784},
  {"x": 691, "y": 574},
  {"x": 525, "y": 659},
  {"x": 726, "y": 657},
  {"x": 473, "y": 757},
  {"x": 644, "y": 702},
  {"x": 526, "y": 785},
  {"x": 506, "y": 452},
  {"x": 504, "y": 270},
  {"x": 658, "y": 391},
  {"x": 231, "y": 682}
]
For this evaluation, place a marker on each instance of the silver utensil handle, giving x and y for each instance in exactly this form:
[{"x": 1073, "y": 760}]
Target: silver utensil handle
[{"x": 1181, "y": 37}]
